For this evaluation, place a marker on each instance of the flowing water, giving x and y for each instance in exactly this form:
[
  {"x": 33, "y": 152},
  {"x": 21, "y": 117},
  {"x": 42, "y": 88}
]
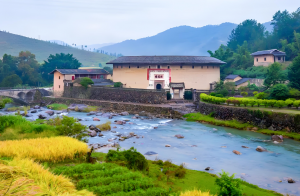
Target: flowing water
[{"x": 214, "y": 146}]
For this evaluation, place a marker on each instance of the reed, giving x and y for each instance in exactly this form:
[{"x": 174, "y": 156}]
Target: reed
[
  {"x": 54, "y": 149},
  {"x": 25, "y": 177}
]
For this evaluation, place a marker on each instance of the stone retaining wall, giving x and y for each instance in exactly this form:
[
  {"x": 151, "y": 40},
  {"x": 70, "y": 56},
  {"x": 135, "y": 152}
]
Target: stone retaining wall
[
  {"x": 116, "y": 94},
  {"x": 263, "y": 119}
]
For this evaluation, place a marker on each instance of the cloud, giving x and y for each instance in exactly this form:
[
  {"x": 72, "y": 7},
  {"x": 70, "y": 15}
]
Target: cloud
[{"x": 103, "y": 21}]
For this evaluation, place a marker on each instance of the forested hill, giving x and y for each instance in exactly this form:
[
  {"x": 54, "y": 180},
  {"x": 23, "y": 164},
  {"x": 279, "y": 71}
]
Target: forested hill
[
  {"x": 182, "y": 40},
  {"x": 12, "y": 44}
]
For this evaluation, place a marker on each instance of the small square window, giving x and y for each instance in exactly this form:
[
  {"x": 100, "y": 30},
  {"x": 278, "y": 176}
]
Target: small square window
[
  {"x": 168, "y": 67},
  {"x": 256, "y": 59},
  {"x": 149, "y": 66},
  {"x": 58, "y": 77},
  {"x": 193, "y": 67},
  {"x": 265, "y": 59},
  {"x": 138, "y": 66},
  {"x": 158, "y": 66},
  {"x": 129, "y": 67},
  {"x": 201, "y": 67},
  {"x": 279, "y": 58},
  {"x": 180, "y": 66},
  {"x": 58, "y": 86}
]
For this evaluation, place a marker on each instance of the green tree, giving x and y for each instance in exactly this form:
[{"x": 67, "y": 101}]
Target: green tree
[
  {"x": 294, "y": 73},
  {"x": 4, "y": 101},
  {"x": 86, "y": 81},
  {"x": 70, "y": 127},
  {"x": 58, "y": 61},
  {"x": 108, "y": 69},
  {"x": 274, "y": 75},
  {"x": 11, "y": 81},
  {"x": 228, "y": 185},
  {"x": 279, "y": 92},
  {"x": 118, "y": 84}
]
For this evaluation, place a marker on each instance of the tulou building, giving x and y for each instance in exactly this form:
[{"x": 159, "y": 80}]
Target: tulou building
[{"x": 167, "y": 72}]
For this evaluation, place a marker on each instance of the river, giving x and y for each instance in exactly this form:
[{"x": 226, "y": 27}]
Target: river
[{"x": 214, "y": 146}]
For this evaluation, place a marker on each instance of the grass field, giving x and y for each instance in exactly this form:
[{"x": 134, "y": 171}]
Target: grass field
[{"x": 13, "y": 44}]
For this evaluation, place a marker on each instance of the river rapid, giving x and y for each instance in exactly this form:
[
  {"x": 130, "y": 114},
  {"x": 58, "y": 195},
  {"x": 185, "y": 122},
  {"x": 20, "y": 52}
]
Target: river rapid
[{"x": 207, "y": 145}]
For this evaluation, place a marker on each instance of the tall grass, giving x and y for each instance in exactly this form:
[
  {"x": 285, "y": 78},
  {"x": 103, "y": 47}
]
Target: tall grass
[
  {"x": 25, "y": 177},
  {"x": 56, "y": 106},
  {"x": 55, "y": 149},
  {"x": 23, "y": 108},
  {"x": 195, "y": 193}
]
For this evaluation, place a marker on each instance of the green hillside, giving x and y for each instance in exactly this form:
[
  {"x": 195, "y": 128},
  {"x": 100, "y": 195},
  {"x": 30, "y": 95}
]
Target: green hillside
[{"x": 12, "y": 44}]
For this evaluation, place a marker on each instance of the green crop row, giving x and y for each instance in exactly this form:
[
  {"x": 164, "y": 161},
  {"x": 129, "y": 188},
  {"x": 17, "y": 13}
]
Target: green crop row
[{"x": 252, "y": 102}]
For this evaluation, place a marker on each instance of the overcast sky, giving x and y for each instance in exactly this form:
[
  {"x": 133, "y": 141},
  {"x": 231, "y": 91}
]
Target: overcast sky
[{"x": 106, "y": 21}]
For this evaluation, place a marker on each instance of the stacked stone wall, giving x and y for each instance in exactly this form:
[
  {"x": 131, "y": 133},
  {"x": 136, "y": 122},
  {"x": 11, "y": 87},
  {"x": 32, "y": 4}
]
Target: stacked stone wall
[
  {"x": 116, "y": 94},
  {"x": 263, "y": 119}
]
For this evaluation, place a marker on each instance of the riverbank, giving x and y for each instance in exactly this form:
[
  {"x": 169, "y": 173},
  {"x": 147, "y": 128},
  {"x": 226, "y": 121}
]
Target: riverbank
[{"x": 197, "y": 117}]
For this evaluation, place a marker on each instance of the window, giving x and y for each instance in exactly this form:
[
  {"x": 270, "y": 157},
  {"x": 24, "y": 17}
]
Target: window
[
  {"x": 117, "y": 66},
  {"x": 193, "y": 67},
  {"x": 158, "y": 66},
  {"x": 138, "y": 66},
  {"x": 256, "y": 59},
  {"x": 58, "y": 77},
  {"x": 265, "y": 59},
  {"x": 149, "y": 67},
  {"x": 207, "y": 67},
  {"x": 58, "y": 86},
  {"x": 121, "y": 66},
  {"x": 180, "y": 66},
  {"x": 213, "y": 67},
  {"x": 168, "y": 67},
  {"x": 279, "y": 58},
  {"x": 129, "y": 66},
  {"x": 201, "y": 67}
]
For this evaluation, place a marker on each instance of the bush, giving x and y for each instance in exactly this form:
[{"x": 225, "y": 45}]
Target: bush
[
  {"x": 294, "y": 92},
  {"x": 280, "y": 103},
  {"x": 4, "y": 101},
  {"x": 212, "y": 94},
  {"x": 255, "y": 93},
  {"x": 133, "y": 159},
  {"x": 244, "y": 94},
  {"x": 104, "y": 127},
  {"x": 224, "y": 92},
  {"x": 219, "y": 95},
  {"x": 271, "y": 103},
  {"x": 279, "y": 92},
  {"x": 118, "y": 85},
  {"x": 253, "y": 87},
  {"x": 188, "y": 95},
  {"x": 228, "y": 186},
  {"x": 169, "y": 96},
  {"x": 70, "y": 127},
  {"x": 289, "y": 102},
  {"x": 86, "y": 81},
  {"x": 296, "y": 104},
  {"x": 261, "y": 95},
  {"x": 252, "y": 102}
]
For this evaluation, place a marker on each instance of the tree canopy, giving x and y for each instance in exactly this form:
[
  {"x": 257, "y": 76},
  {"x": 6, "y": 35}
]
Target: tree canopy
[{"x": 294, "y": 73}]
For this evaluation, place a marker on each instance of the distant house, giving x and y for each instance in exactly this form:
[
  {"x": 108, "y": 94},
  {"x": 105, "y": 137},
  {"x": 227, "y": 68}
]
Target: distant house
[
  {"x": 66, "y": 77},
  {"x": 239, "y": 81},
  {"x": 268, "y": 57}
]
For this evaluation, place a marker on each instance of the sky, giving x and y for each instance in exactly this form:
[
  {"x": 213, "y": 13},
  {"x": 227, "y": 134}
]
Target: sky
[{"x": 111, "y": 21}]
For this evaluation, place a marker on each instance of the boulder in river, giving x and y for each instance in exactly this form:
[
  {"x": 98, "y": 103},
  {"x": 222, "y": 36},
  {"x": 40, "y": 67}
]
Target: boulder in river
[
  {"x": 179, "y": 136},
  {"x": 93, "y": 133},
  {"x": 124, "y": 113},
  {"x": 149, "y": 153},
  {"x": 96, "y": 119},
  {"x": 207, "y": 169},
  {"x": 290, "y": 180},
  {"x": 119, "y": 122},
  {"x": 36, "y": 107},
  {"x": 92, "y": 113},
  {"x": 277, "y": 138},
  {"x": 33, "y": 111},
  {"x": 50, "y": 113},
  {"x": 261, "y": 149},
  {"x": 236, "y": 152},
  {"x": 167, "y": 145},
  {"x": 134, "y": 117},
  {"x": 41, "y": 116},
  {"x": 28, "y": 115},
  {"x": 99, "y": 114},
  {"x": 245, "y": 147},
  {"x": 100, "y": 134},
  {"x": 131, "y": 133}
]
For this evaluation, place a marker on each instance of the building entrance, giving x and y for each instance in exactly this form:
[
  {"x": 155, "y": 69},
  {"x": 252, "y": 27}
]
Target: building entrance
[{"x": 158, "y": 86}]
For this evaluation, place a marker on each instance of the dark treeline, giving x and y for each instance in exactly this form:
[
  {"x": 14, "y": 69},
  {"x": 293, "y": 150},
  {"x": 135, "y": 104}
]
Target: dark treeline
[
  {"x": 250, "y": 36},
  {"x": 25, "y": 70}
]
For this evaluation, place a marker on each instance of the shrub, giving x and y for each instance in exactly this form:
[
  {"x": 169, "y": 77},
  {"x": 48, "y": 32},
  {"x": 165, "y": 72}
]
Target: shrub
[
  {"x": 4, "y": 101},
  {"x": 53, "y": 149},
  {"x": 244, "y": 94},
  {"x": 259, "y": 102},
  {"x": 224, "y": 92},
  {"x": 228, "y": 186},
  {"x": 280, "y": 103},
  {"x": 133, "y": 159},
  {"x": 86, "y": 81},
  {"x": 255, "y": 93},
  {"x": 169, "y": 96},
  {"x": 271, "y": 103},
  {"x": 289, "y": 102},
  {"x": 264, "y": 102},
  {"x": 261, "y": 95},
  {"x": 105, "y": 126},
  {"x": 219, "y": 95},
  {"x": 118, "y": 85},
  {"x": 70, "y": 127},
  {"x": 252, "y": 87},
  {"x": 296, "y": 104},
  {"x": 252, "y": 102},
  {"x": 245, "y": 102},
  {"x": 212, "y": 94},
  {"x": 279, "y": 92},
  {"x": 188, "y": 95},
  {"x": 294, "y": 92}
]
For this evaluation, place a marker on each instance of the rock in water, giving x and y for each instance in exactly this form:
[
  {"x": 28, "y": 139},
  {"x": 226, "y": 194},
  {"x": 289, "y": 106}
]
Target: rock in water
[
  {"x": 119, "y": 122},
  {"x": 236, "y": 152},
  {"x": 277, "y": 138},
  {"x": 41, "y": 116},
  {"x": 36, "y": 107},
  {"x": 93, "y": 133},
  {"x": 167, "y": 145},
  {"x": 28, "y": 115},
  {"x": 150, "y": 153},
  {"x": 245, "y": 147},
  {"x": 100, "y": 135},
  {"x": 261, "y": 149},
  {"x": 50, "y": 113},
  {"x": 96, "y": 119},
  {"x": 290, "y": 180},
  {"x": 207, "y": 169},
  {"x": 33, "y": 111},
  {"x": 179, "y": 136},
  {"x": 92, "y": 127},
  {"x": 124, "y": 113}
]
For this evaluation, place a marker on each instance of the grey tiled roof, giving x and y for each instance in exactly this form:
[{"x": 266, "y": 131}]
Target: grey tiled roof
[
  {"x": 167, "y": 60},
  {"x": 231, "y": 76},
  {"x": 241, "y": 81},
  {"x": 80, "y": 71},
  {"x": 274, "y": 52},
  {"x": 177, "y": 85}
]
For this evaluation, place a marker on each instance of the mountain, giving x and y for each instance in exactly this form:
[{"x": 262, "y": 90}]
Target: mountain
[
  {"x": 12, "y": 44},
  {"x": 92, "y": 47},
  {"x": 182, "y": 40}
]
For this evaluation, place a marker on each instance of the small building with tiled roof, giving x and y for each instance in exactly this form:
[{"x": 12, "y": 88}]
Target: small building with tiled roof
[
  {"x": 157, "y": 72},
  {"x": 268, "y": 57},
  {"x": 232, "y": 78},
  {"x": 66, "y": 77},
  {"x": 239, "y": 81}
]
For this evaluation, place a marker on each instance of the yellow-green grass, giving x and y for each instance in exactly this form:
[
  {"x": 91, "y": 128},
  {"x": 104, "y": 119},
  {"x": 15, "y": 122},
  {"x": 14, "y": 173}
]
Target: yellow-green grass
[
  {"x": 90, "y": 109},
  {"x": 13, "y": 44},
  {"x": 238, "y": 125},
  {"x": 57, "y": 106},
  {"x": 25, "y": 177},
  {"x": 21, "y": 108},
  {"x": 54, "y": 149},
  {"x": 16, "y": 134},
  {"x": 195, "y": 193},
  {"x": 105, "y": 126}
]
